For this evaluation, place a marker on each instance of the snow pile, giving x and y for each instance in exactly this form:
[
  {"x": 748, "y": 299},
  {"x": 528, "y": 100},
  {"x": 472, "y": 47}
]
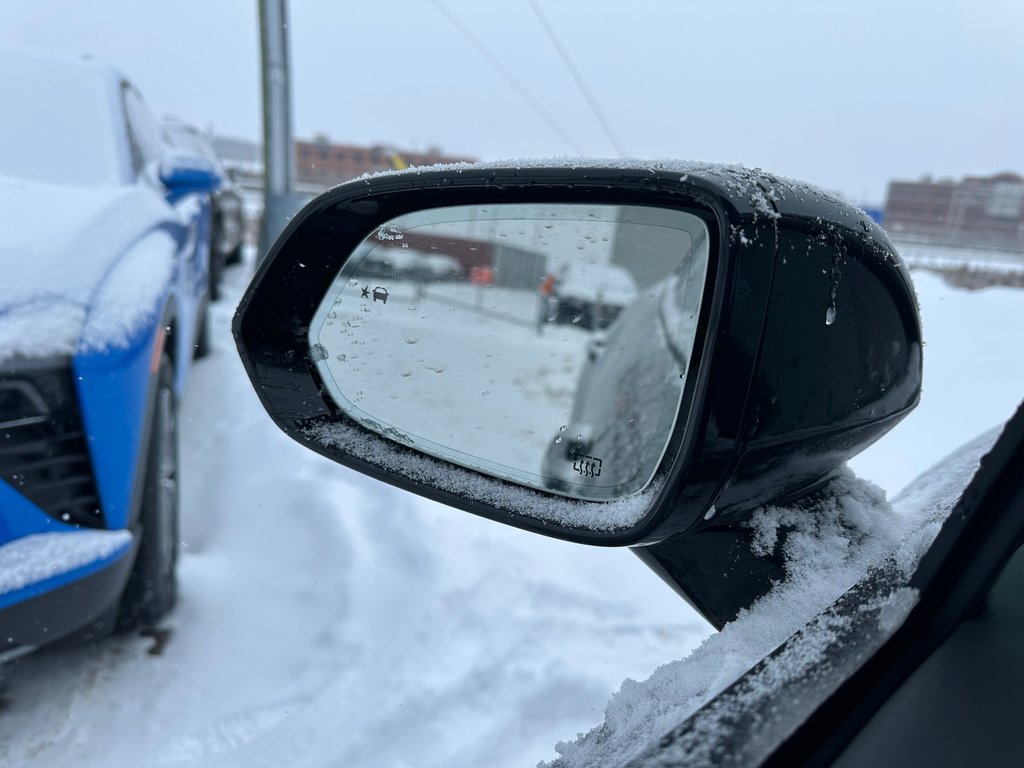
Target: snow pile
[
  {"x": 829, "y": 548},
  {"x": 930, "y": 498},
  {"x": 43, "y": 555}
]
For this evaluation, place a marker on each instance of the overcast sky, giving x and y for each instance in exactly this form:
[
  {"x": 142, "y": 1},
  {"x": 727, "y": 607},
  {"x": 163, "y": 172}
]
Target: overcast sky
[{"x": 846, "y": 95}]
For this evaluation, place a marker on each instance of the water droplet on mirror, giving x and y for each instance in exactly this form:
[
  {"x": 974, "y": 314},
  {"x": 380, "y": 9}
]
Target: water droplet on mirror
[
  {"x": 562, "y": 428},
  {"x": 486, "y": 392},
  {"x": 558, "y": 439},
  {"x": 830, "y": 314}
]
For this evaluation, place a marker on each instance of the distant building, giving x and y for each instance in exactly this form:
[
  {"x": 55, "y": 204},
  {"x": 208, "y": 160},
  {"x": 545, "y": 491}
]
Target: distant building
[
  {"x": 238, "y": 152},
  {"x": 323, "y": 163},
  {"x": 320, "y": 164},
  {"x": 975, "y": 211}
]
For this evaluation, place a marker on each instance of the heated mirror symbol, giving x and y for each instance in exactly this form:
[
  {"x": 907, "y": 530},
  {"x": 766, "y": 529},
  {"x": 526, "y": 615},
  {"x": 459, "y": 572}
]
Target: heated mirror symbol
[
  {"x": 496, "y": 329},
  {"x": 588, "y": 466}
]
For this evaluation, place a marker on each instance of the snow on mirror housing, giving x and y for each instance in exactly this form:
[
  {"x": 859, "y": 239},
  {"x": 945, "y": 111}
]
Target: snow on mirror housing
[
  {"x": 545, "y": 343},
  {"x": 609, "y": 355}
]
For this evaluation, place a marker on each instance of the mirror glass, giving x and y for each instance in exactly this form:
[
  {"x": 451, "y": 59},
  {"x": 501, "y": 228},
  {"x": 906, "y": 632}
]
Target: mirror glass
[{"x": 545, "y": 344}]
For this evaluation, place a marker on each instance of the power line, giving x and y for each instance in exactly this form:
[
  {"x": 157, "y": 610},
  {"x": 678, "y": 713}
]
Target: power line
[
  {"x": 522, "y": 91},
  {"x": 581, "y": 84}
]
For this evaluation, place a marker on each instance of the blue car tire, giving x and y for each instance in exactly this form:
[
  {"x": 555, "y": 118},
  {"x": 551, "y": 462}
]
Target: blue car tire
[{"x": 152, "y": 587}]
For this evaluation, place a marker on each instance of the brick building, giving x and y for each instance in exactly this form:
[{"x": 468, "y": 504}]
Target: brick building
[
  {"x": 975, "y": 211},
  {"x": 319, "y": 162}
]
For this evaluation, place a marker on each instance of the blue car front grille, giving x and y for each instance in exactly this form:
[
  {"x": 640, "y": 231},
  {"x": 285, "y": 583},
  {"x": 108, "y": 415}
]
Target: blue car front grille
[{"x": 43, "y": 451}]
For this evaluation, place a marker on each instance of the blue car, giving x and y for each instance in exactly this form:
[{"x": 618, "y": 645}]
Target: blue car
[{"x": 104, "y": 259}]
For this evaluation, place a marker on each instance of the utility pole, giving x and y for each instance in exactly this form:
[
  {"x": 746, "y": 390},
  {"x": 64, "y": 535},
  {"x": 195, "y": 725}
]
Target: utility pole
[{"x": 279, "y": 200}]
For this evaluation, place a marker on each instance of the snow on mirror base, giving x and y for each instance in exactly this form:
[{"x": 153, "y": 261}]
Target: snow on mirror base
[{"x": 543, "y": 344}]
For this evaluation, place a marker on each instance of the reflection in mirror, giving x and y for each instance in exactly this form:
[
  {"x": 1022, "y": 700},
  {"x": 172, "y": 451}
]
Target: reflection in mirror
[{"x": 544, "y": 344}]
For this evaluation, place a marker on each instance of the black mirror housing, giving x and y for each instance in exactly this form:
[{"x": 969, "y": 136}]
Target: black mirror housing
[{"x": 808, "y": 343}]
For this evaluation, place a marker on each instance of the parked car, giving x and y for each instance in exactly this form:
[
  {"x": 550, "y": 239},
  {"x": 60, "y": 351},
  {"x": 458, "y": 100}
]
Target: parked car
[
  {"x": 591, "y": 295},
  {"x": 645, "y": 349},
  {"x": 104, "y": 259},
  {"x": 227, "y": 228},
  {"x": 804, "y": 348}
]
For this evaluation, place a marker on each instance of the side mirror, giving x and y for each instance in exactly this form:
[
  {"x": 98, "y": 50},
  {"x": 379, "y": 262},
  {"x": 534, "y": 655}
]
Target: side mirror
[
  {"x": 656, "y": 352},
  {"x": 181, "y": 173}
]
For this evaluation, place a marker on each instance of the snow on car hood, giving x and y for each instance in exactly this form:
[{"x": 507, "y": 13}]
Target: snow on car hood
[{"x": 58, "y": 245}]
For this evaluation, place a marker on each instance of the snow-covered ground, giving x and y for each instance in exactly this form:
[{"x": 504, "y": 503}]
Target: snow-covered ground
[
  {"x": 410, "y": 364},
  {"x": 329, "y": 620}
]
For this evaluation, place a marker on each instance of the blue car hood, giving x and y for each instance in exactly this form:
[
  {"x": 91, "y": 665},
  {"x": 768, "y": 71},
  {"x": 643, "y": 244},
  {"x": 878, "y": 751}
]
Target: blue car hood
[{"x": 57, "y": 247}]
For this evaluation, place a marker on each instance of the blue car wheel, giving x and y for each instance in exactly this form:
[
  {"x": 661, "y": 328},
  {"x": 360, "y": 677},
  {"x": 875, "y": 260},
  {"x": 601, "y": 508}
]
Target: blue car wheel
[{"x": 152, "y": 587}]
